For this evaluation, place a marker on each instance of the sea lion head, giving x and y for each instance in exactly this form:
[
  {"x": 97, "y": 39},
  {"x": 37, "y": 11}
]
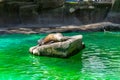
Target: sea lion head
[{"x": 40, "y": 42}]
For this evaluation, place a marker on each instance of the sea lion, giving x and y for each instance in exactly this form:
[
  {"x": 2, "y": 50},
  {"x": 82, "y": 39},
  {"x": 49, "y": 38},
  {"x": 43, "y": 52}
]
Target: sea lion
[{"x": 50, "y": 38}]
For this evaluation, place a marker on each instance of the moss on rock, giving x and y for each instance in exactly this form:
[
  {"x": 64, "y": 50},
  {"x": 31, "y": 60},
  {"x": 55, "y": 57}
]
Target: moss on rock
[{"x": 116, "y": 6}]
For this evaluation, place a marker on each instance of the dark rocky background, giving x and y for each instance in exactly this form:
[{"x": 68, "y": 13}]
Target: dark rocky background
[{"x": 52, "y": 13}]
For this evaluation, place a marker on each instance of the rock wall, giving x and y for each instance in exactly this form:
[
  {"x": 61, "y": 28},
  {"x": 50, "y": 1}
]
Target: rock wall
[
  {"x": 49, "y": 13},
  {"x": 114, "y": 15},
  {"x": 116, "y": 6}
]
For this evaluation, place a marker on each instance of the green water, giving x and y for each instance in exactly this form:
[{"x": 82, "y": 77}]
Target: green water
[{"x": 100, "y": 60}]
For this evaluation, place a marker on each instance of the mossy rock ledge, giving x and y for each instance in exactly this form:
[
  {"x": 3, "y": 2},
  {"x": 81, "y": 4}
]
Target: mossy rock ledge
[{"x": 63, "y": 49}]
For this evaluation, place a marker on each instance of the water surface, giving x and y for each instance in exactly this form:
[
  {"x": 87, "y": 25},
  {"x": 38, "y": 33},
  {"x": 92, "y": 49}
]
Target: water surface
[{"x": 100, "y": 60}]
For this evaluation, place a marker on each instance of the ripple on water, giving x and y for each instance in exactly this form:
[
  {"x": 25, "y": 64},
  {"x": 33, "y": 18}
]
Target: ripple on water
[{"x": 98, "y": 61}]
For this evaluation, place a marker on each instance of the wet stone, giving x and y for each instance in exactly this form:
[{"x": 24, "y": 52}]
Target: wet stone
[{"x": 63, "y": 49}]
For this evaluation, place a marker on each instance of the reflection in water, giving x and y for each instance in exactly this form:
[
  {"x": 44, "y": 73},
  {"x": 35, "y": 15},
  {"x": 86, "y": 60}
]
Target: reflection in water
[{"x": 99, "y": 60}]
